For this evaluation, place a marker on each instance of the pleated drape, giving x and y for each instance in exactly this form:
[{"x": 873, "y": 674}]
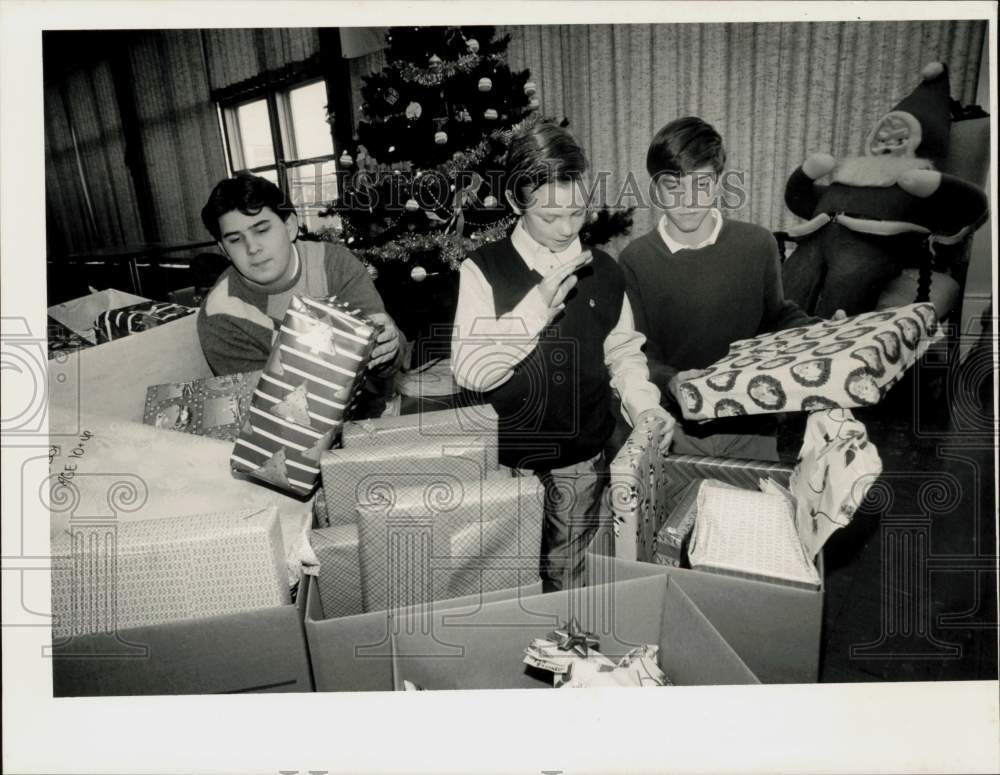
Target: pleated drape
[
  {"x": 181, "y": 138},
  {"x": 86, "y": 102},
  {"x": 238, "y": 55},
  {"x": 775, "y": 91}
]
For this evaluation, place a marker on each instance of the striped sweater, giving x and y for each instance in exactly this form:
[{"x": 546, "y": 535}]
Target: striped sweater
[{"x": 236, "y": 323}]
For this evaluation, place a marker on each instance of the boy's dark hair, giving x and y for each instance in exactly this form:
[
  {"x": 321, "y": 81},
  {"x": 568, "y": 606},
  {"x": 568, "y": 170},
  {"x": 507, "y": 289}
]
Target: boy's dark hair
[
  {"x": 684, "y": 145},
  {"x": 544, "y": 154},
  {"x": 244, "y": 192}
]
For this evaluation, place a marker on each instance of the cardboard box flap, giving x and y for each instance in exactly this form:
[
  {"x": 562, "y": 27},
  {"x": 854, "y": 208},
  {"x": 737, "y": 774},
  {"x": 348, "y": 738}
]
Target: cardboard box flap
[{"x": 692, "y": 651}]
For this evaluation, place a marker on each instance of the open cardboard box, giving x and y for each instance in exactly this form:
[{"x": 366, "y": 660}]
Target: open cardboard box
[
  {"x": 477, "y": 642},
  {"x": 256, "y": 651},
  {"x": 774, "y": 627},
  {"x": 78, "y": 315},
  {"x": 353, "y": 653},
  {"x": 111, "y": 379},
  {"x": 260, "y": 650}
]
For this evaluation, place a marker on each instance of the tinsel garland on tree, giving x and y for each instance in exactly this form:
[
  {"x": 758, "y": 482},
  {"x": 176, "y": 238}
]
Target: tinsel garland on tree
[{"x": 423, "y": 179}]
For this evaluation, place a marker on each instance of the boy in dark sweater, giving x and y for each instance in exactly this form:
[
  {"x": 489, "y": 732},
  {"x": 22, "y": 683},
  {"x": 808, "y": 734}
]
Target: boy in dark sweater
[
  {"x": 257, "y": 230},
  {"x": 544, "y": 328},
  {"x": 698, "y": 282}
]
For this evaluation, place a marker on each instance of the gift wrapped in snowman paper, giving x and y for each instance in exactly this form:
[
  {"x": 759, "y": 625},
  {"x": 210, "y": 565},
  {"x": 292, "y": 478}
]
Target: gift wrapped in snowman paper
[{"x": 833, "y": 363}]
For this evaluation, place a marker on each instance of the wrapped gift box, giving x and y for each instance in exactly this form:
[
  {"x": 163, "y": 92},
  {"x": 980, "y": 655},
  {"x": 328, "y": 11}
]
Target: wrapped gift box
[
  {"x": 215, "y": 407},
  {"x": 672, "y": 539},
  {"x": 312, "y": 375},
  {"x": 111, "y": 469},
  {"x": 339, "y": 578},
  {"x": 834, "y": 363},
  {"x": 145, "y": 573},
  {"x": 750, "y": 534},
  {"x": 636, "y": 492},
  {"x": 449, "y": 539},
  {"x": 118, "y": 323},
  {"x": 367, "y": 473},
  {"x": 475, "y": 421}
]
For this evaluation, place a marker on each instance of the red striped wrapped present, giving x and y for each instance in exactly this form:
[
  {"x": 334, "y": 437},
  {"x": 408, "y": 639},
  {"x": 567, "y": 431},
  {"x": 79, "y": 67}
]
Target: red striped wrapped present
[{"x": 316, "y": 366}]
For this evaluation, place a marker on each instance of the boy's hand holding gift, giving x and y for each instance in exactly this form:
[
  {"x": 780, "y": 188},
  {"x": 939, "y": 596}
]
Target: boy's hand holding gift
[
  {"x": 656, "y": 417},
  {"x": 556, "y": 286},
  {"x": 386, "y": 342}
]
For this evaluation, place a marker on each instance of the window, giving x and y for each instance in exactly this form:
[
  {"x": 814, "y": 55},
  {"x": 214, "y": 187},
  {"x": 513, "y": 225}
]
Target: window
[{"x": 284, "y": 136}]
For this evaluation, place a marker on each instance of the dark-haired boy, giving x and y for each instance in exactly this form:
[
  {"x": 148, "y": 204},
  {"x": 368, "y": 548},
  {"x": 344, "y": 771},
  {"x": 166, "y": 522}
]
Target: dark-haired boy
[
  {"x": 699, "y": 282},
  {"x": 257, "y": 229}
]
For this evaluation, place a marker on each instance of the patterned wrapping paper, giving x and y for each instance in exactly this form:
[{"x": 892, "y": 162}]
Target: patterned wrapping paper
[
  {"x": 166, "y": 570},
  {"x": 450, "y": 539},
  {"x": 681, "y": 470},
  {"x": 834, "y": 363},
  {"x": 672, "y": 539},
  {"x": 479, "y": 420},
  {"x": 637, "y": 493},
  {"x": 315, "y": 369},
  {"x": 339, "y": 578},
  {"x": 214, "y": 407},
  {"x": 61, "y": 338},
  {"x": 116, "y": 323},
  {"x": 368, "y": 472}
]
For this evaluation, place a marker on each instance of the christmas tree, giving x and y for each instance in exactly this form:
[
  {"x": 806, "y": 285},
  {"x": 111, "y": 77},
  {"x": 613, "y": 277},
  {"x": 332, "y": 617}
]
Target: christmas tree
[{"x": 421, "y": 186}]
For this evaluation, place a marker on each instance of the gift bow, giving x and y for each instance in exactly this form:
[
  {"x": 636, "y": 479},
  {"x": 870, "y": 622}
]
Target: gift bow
[{"x": 572, "y": 638}]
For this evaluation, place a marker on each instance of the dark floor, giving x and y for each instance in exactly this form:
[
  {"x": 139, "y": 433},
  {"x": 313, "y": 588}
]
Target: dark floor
[{"x": 911, "y": 583}]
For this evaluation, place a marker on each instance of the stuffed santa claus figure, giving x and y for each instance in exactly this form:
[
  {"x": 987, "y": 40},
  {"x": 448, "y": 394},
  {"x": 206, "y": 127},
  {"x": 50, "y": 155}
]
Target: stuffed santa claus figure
[{"x": 880, "y": 212}]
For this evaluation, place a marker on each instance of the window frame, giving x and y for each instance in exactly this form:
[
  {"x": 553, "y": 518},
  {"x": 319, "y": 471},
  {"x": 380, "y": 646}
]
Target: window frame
[{"x": 282, "y": 130}]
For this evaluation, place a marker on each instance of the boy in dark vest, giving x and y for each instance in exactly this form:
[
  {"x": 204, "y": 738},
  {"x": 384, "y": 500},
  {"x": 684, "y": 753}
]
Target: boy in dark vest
[{"x": 544, "y": 328}]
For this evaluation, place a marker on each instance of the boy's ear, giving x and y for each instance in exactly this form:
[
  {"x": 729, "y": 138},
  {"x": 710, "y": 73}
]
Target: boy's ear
[
  {"x": 222, "y": 247},
  {"x": 512, "y": 203},
  {"x": 292, "y": 227}
]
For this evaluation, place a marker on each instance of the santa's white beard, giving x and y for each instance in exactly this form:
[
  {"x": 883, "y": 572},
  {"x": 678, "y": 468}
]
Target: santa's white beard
[{"x": 879, "y": 171}]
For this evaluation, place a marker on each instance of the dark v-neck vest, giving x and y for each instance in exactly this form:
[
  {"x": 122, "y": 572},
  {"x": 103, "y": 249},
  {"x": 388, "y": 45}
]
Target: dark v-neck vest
[{"x": 555, "y": 410}]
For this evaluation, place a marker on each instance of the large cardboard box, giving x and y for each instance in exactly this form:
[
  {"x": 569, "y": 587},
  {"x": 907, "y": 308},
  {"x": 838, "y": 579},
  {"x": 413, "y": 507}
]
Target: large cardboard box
[
  {"x": 773, "y": 627},
  {"x": 111, "y": 379},
  {"x": 484, "y": 648},
  {"x": 353, "y": 653},
  {"x": 255, "y": 651},
  {"x": 356, "y": 653}
]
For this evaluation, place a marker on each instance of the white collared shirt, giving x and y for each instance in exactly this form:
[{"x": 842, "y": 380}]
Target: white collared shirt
[
  {"x": 674, "y": 246},
  {"x": 486, "y": 348}
]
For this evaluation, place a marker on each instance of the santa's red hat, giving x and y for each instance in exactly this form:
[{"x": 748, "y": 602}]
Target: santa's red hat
[{"x": 930, "y": 104}]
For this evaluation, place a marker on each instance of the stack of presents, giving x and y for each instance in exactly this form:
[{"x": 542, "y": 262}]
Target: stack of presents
[{"x": 244, "y": 534}]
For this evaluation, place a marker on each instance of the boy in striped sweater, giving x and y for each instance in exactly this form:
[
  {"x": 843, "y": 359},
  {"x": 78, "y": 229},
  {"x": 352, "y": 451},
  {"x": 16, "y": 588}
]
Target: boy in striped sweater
[{"x": 257, "y": 229}]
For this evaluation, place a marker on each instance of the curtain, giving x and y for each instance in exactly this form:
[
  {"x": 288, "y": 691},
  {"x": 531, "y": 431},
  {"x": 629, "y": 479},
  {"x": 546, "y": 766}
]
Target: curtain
[
  {"x": 235, "y": 56},
  {"x": 181, "y": 138},
  {"x": 101, "y": 212},
  {"x": 68, "y": 222},
  {"x": 775, "y": 91}
]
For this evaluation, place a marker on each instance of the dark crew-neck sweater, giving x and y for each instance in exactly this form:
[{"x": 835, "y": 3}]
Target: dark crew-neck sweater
[{"x": 693, "y": 304}]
